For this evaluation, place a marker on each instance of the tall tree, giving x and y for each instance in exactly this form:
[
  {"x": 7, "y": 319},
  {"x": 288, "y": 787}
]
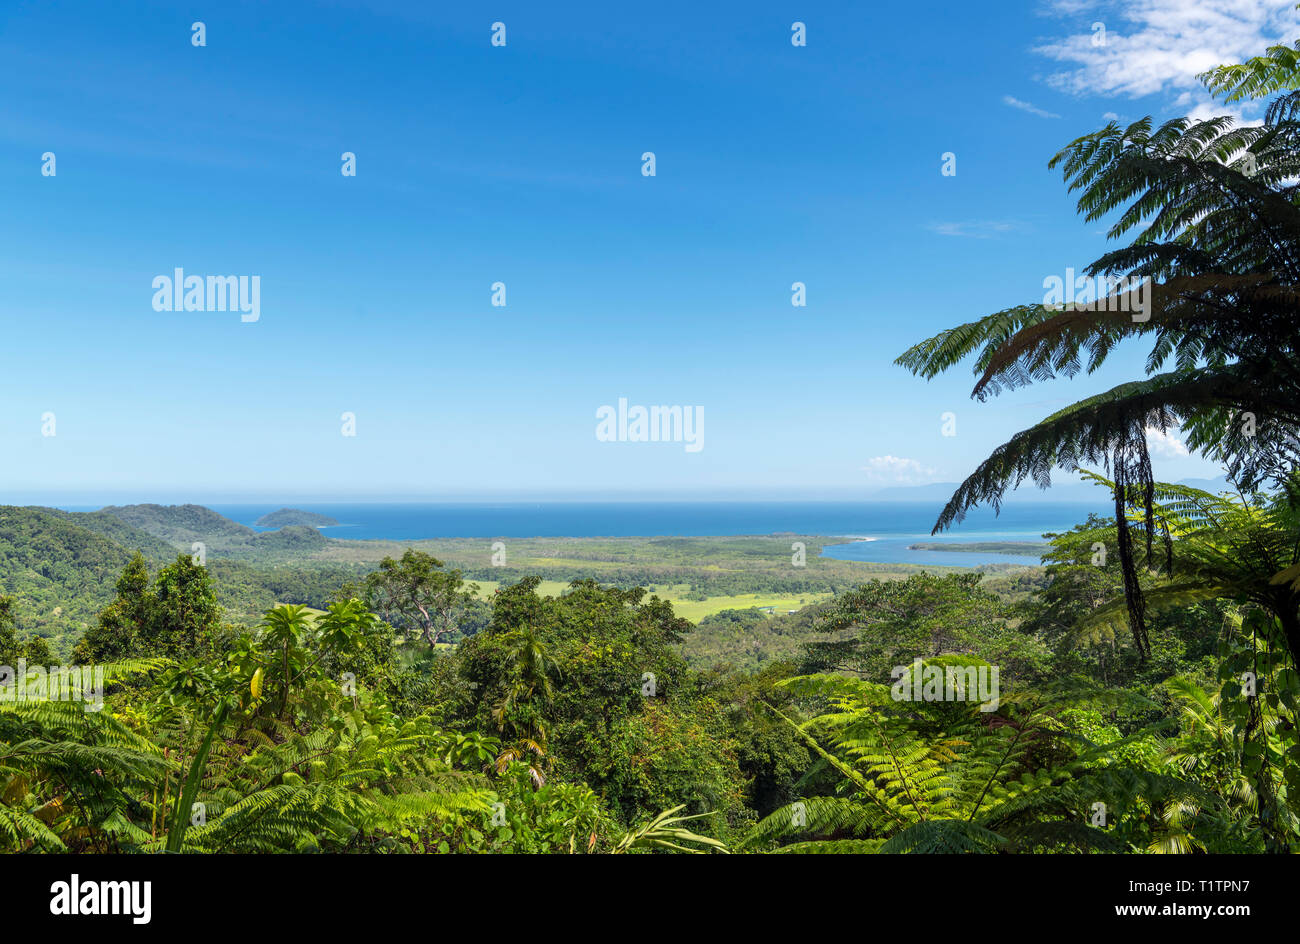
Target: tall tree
[
  {"x": 174, "y": 617},
  {"x": 187, "y": 610},
  {"x": 34, "y": 650},
  {"x": 887, "y": 623},
  {"x": 416, "y": 593}
]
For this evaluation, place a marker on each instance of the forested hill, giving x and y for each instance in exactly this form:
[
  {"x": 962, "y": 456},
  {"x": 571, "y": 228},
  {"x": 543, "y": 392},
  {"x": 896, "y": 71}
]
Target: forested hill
[
  {"x": 116, "y": 530},
  {"x": 62, "y": 566},
  {"x": 181, "y": 524}
]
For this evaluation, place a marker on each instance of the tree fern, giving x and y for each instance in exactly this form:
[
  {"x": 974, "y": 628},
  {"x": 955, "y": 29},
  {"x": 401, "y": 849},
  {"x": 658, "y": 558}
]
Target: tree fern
[{"x": 971, "y": 785}]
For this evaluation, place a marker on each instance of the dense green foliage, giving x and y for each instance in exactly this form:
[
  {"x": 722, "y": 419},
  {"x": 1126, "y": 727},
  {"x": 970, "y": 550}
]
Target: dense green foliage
[
  {"x": 1138, "y": 693},
  {"x": 572, "y": 723},
  {"x": 60, "y": 568}
]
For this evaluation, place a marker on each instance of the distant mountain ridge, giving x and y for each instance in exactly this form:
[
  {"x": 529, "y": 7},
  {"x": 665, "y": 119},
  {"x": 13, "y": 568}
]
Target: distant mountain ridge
[
  {"x": 120, "y": 532},
  {"x": 180, "y": 524},
  {"x": 63, "y": 566},
  {"x": 183, "y": 526}
]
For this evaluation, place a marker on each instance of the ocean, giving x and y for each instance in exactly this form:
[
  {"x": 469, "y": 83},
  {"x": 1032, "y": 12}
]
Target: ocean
[{"x": 883, "y": 529}]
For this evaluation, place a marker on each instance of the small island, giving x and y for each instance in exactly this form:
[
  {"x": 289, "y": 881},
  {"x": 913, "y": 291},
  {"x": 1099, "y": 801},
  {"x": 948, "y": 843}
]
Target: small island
[{"x": 286, "y": 517}]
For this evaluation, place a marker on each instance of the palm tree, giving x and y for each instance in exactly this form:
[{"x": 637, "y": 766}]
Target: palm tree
[
  {"x": 284, "y": 628},
  {"x": 1214, "y": 213},
  {"x": 518, "y": 714}
]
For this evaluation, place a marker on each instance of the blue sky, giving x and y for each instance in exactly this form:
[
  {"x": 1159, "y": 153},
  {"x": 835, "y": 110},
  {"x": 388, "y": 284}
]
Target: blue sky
[{"x": 522, "y": 164}]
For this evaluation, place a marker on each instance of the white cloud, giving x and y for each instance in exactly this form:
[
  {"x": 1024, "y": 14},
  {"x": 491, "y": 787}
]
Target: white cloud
[
  {"x": 1203, "y": 107},
  {"x": 1165, "y": 444},
  {"x": 896, "y": 470},
  {"x": 1025, "y": 106},
  {"x": 1160, "y": 46}
]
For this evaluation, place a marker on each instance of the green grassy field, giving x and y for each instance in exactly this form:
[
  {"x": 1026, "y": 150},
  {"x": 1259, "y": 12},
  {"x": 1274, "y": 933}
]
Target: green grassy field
[
  {"x": 696, "y": 610},
  {"x": 701, "y": 576},
  {"x": 546, "y": 588},
  {"x": 693, "y": 610}
]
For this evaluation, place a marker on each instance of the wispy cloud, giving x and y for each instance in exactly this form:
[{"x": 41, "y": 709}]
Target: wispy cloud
[
  {"x": 974, "y": 229},
  {"x": 1026, "y": 106},
  {"x": 897, "y": 471}
]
